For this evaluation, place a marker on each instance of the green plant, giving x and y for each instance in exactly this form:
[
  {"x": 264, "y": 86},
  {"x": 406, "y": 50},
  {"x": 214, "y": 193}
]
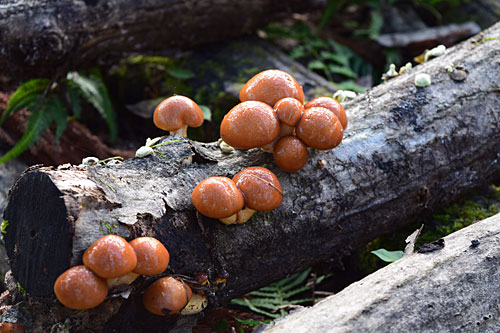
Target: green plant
[
  {"x": 273, "y": 300},
  {"x": 334, "y": 61},
  {"x": 49, "y": 102},
  {"x": 388, "y": 256},
  {"x": 4, "y": 226}
]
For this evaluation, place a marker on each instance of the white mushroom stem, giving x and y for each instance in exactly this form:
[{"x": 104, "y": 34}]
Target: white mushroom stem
[
  {"x": 122, "y": 280},
  {"x": 181, "y": 131},
  {"x": 240, "y": 217}
]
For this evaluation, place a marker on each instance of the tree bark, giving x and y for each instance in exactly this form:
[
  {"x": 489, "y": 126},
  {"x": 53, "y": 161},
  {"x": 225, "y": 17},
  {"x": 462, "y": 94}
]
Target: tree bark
[
  {"x": 37, "y": 38},
  {"x": 406, "y": 150},
  {"x": 449, "y": 290}
]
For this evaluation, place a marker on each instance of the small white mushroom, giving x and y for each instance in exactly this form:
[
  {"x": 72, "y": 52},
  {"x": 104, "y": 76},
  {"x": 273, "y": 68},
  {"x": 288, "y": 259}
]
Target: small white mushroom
[
  {"x": 405, "y": 68},
  {"x": 91, "y": 160},
  {"x": 422, "y": 80},
  {"x": 224, "y": 147},
  {"x": 144, "y": 151},
  {"x": 344, "y": 95},
  {"x": 435, "y": 52}
]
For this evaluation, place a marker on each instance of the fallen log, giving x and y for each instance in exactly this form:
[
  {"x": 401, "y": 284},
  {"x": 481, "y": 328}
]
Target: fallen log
[
  {"x": 54, "y": 36},
  {"x": 406, "y": 150},
  {"x": 453, "y": 289}
]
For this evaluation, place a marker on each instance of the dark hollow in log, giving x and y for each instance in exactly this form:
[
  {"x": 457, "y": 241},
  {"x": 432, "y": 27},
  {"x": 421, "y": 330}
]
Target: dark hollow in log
[
  {"x": 38, "y": 38},
  {"x": 406, "y": 150},
  {"x": 453, "y": 289}
]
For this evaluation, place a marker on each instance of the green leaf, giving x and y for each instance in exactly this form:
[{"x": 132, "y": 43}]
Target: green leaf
[
  {"x": 388, "y": 256},
  {"x": 27, "y": 94},
  {"x": 4, "y": 226},
  {"x": 94, "y": 90},
  {"x": 37, "y": 123},
  {"x": 316, "y": 64},
  {"x": 74, "y": 99},
  {"x": 180, "y": 73},
  {"x": 57, "y": 112},
  {"x": 346, "y": 71},
  {"x": 298, "y": 52},
  {"x": 341, "y": 59},
  {"x": 207, "y": 114}
]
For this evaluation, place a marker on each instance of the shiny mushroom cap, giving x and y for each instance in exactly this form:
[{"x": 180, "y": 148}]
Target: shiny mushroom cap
[
  {"x": 289, "y": 110},
  {"x": 319, "y": 128},
  {"x": 330, "y": 104},
  {"x": 177, "y": 112},
  {"x": 270, "y": 86},
  {"x": 290, "y": 154},
  {"x": 166, "y": 296},
  {"x": 250, "y": 125},
  {"x": 261, "y": 188},
  {"x": 110, "y": 256},
  {"x": 79, "y": 288},
  {"x": 217, "y": 197},
  {"x": 152, "y": 256}
]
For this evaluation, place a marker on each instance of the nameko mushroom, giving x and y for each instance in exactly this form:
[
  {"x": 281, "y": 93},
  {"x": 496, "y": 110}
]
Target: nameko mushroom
[
  {"x": 152, "y": 256},
  {"x": 166, "y": 295},
  {"x": 176, "y": 113}
]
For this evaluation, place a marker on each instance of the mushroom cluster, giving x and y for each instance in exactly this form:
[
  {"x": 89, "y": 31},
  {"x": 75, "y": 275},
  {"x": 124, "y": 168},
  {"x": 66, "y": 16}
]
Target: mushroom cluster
[
  {"x": 272, "y": 116},
  {"x": 236, "y": 200},
  {"x": 110, "y": 262}
]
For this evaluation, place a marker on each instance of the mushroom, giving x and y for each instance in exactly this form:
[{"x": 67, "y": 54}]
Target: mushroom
[
  {"x": 79, "y": 288},
  {"x": 270, "y": 86},
  {"x": 288, "y": 111},
  {"x": 176, "y": 113},
  {"x": 166, "y": 296},
  {"x": 217, "y": 197},
  {"x": 290, "y": 154},
  {"x": 330, "y": 104},
  {"x": 262, "y": 191},
  {"x": 152, "y": 256},
  {"x": 110, "y": 256},
  {"x": 320, "y": 128},
  {"x": 196, "y": 304},
  {"x": 250, "y": 124},
  {"x": 7, "y": 327}
]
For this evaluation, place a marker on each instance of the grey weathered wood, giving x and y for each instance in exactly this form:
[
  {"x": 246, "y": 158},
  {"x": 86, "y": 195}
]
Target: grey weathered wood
[
  {"x": 39, "y": 37},
  {"x": 406, "y": 150},
  {"x": 450, "y": 290}
]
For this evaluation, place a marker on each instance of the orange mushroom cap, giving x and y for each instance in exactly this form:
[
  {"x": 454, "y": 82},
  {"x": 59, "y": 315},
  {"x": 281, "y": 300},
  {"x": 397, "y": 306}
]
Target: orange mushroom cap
[
  {"x": 80, "y": 289},
  {"x": 290, "y": 154},
  {"x": 330, "y": 104},
  {"x": 166, "y": 296},
  {"x": 217, "y": 197},
  {"x": 270, "y": 86},
  {"x": 289, "y": 110},
  {"x": 319, "y": 128},
  {"x": 110, "y": 256},
  {"x": 152, "y": 256},
  {"x": 261, "y": 188},
  {"x": 177, "y": 111},
  {"x": 6, "y": 327},
  {"x": 250, "y": 125}
]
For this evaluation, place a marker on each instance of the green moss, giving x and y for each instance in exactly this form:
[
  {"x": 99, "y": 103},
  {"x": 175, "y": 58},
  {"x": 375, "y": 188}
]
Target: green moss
[
  {"x": 21, "y": 289},
  {"x": 106, "y": 228},
  {"x": 4, "y": 226}
]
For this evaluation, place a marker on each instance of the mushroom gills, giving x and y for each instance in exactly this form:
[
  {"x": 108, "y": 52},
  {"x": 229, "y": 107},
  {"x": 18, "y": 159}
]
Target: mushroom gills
[{"x": 196, "y": 304}]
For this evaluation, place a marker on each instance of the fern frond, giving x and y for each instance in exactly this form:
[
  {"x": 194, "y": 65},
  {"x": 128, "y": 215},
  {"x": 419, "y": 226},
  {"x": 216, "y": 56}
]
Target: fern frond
[
  {"x": 27, "y": 94},
  {"x": 295, "y": 292},
  {"x": 94, "y": 90},
  {"x": 299, "y": 278},
  {"x": 248, "y": 304},
  {"x": 56, "y": 112},
  {"x": 37, "y": 123}
]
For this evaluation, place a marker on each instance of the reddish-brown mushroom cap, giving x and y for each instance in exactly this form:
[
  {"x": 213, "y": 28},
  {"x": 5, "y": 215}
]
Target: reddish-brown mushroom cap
[
  {"x": 166, "y": 296},
  {"x": 270, "y": 86},
  {"x": 290, "y": 154},
  {"x": 250, "y": 125},
  {"x": 319, "y": 128},
  {"x": 217, "y": 197},
  {"x": 152, "y": 256},
  {"x": 330, "y": 104},
  {"x": 261, "y": 188},
  {"x": 289, "y": 110},
  {"x": 177, "y": 111},
  {"x": 80, "y": 289},
  {"x": 110, "y": 256},
  {"x": 6, "y": 327}
]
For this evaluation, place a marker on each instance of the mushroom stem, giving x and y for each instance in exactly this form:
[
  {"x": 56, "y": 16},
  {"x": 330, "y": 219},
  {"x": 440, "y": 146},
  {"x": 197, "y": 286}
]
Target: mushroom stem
[
  {"x": 181, "y": 131},
  {"x": 286, "y": 130},
  {"x": 126, "y": 279},
  {"x": 244, "y": 215},
  {"x": 229, "y": 220},
  {"x": 269, "y": 148}
]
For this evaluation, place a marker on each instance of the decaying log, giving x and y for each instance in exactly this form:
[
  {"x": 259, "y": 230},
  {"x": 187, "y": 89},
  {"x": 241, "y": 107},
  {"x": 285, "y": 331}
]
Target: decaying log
[
  {"x": 406, "y": 150},
  {"x": 39, "y": 37},
  {"x": 453, "y": 289}
]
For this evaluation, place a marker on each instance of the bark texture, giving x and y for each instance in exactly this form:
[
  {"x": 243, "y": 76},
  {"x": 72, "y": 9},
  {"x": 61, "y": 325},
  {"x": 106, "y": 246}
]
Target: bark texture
[
  {"x": 449, "y": 290},
  {"x": 406, "y": 150},
  {"x": 38, "y": 37}
]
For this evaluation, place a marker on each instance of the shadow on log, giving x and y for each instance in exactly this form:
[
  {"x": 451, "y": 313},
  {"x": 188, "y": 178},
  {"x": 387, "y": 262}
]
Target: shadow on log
[
  {"x": 406, "y": 150},
  {"x": 453, "y": 289}
]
